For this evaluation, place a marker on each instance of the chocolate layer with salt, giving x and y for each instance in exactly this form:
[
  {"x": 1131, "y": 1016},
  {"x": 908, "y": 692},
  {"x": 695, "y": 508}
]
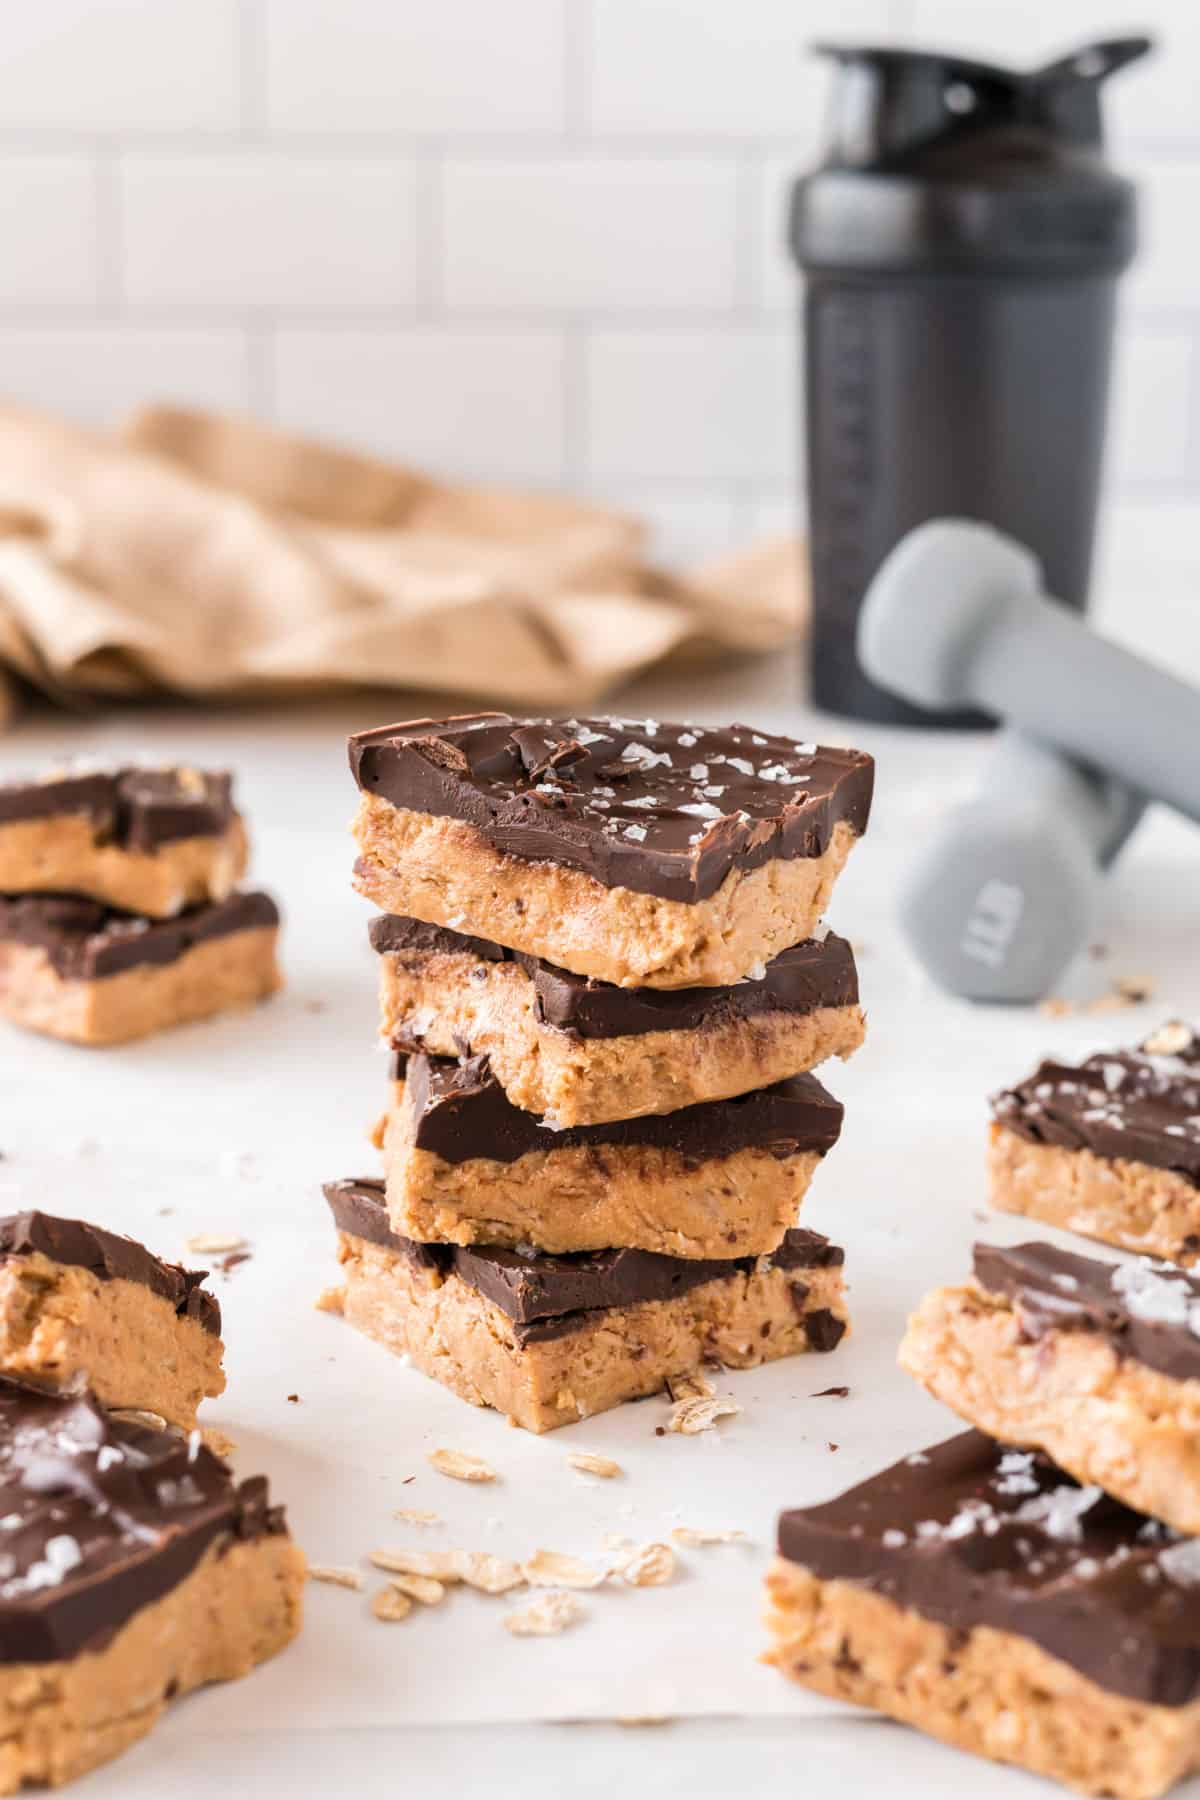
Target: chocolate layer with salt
[
  {"x": 548, "y": 1296},
  {"x": 85, "y": 941},
  {"x": 1138, "y": 1105},
  {"x": 970, "y": 1534},
  {"x": 110, "y": 1258},
  {"x": 138, "y": 809},
  {"x": 1147, "y": 1311},
  {"x": 817, "y": 973},
  {"x": 100, "y": 1517},
  {"x": 462, "y": 1112},
  {"x": 663, "y": 809}
]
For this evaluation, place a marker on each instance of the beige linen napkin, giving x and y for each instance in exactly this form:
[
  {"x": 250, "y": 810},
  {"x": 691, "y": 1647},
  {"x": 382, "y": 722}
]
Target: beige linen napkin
[{"x": 206, "y": 556}]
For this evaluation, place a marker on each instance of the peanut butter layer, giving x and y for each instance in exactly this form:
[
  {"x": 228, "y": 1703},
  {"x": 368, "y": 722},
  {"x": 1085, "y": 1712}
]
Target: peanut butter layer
[
  {"x": 63, "y": 1327},
  {"x": 64, "y": 854},
  {"x": 208, "y": 975},
  {"x": 446, "y": 873},
  {"x": 724, "y": 1179},
  {"x": 987, "y": 1691},
  {"x": 478, "y": 1321},
  {"x": 1134, "y": 1205},
  {"x": 1094, "y": 1363},
  {"x": 581, "y": 1052}
]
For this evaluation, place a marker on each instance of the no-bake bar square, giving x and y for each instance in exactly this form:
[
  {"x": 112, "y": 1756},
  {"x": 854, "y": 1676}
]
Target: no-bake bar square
[
  {"x": 133, "y": 1569},
  {"x": 582, "y": 1052},
  {"x": 1096, "y": 1363},
  {"x": 74, "y": 969},
  {"x": 1109, "y": 1147},
  {"x": 980, "y": 1594},
  {"x": 83, "y": 1307},
  {"x": 149, "y": 841},
  {"x": 639, "y": 853},
  {"x": 547, "y": 1339},
  {"x": 722, "y": 1179}
]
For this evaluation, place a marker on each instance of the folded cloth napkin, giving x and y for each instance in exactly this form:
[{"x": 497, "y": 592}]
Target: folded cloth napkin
[{"x": 206, "y": 556}]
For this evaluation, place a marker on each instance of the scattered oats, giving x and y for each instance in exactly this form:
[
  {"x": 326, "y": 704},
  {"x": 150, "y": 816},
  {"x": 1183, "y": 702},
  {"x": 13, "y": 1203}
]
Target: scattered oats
[
  {"x": 548, "y": 1568},
  {"x": 1170, "y": 1039},
  {"x": 587, "y": 1464},
  {"x": 213, "y": 1243},
  {"x": 459, "y": 1467},
  {"x": 1055, "y": 1008},
  {"x": 693, "y": 1416},
  {"x": 218, "y": 1441},
  {"x": 335, "y": 1577},
  {"x": 420, "y": 1587},
  {"x": 137, "y": 1415},
  {"x": 416, "y": 1515},
  {"x": 548, "y": 1615},
  {"x": 490, "y": 1574},
  {"x": 651, "y": 1566},
  {"x": 331, "y": 1300},
  {"x": 697, "y": 1540},
  {"x": 690, "y": 1386},
  {"x": 391, "y": 1605}
]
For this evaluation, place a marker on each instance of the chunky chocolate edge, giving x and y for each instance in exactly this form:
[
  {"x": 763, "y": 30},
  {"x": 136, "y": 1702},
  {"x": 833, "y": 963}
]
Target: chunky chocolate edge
[
  {"x": 413, "y": 766},
  {"x": 83, "y": 1612},
  {"x": 816, "y": 973},
  {"x": 546, "y": 1296},
  {"x": 110, "y": 1257},
  {"x": 460, "y": 1113},
  {"x": 1058, "y": 1290},
  {"x": 1117, "y": 1646},
  {"x": 137, "y": 809},
  {"x": 85, "y": 941}
]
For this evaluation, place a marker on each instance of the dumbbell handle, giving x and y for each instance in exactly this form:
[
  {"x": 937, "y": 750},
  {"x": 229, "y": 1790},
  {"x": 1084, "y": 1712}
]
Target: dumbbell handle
[{"x": 955, "y": 616}]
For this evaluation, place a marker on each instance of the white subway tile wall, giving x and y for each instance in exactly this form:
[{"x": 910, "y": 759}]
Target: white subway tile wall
[{"x": 539, "y": 242}]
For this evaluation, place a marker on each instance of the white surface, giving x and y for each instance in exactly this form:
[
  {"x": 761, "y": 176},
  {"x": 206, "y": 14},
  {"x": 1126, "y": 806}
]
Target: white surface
[
  {"x": 288, "y": 207},
  {"x": 232, "y": 1125}
]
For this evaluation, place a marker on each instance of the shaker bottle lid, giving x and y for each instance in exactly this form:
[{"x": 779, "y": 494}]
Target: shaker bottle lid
[{"x": 941, "y": 162}]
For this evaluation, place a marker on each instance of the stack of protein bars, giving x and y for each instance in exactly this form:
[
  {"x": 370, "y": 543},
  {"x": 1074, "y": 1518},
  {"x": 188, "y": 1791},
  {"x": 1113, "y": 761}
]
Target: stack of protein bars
[
  {"x": 1030, "y": 1589},
  {"x": 604, "y": 981},
  {"x": 119, "y": 907}
]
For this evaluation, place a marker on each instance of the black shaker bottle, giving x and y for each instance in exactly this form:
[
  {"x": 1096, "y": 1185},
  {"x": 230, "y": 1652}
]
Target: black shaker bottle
[{"x": 961, "y": 244}]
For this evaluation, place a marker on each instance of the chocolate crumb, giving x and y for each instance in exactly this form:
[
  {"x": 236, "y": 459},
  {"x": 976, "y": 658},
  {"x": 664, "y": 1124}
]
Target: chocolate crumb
[
  {"x": 832, "y": 1446},
  {"x": 831, "y": 1393},
  {"x": 294, "y": 1399}
]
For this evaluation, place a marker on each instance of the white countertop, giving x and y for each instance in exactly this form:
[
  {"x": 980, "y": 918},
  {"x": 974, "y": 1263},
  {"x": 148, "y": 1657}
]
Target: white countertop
[{"x": 232, "y": 1125}]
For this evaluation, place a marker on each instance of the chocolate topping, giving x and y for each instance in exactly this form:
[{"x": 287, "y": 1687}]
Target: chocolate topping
[
  {"x": 462, "y": 1112},
  {"x": 86, "y": 941},
  {"x": 547, "y": 1296},
  {"x": 138, "y": 809},
  {"x": 819, "y": 972},
  {"x": 662, "y": 809},
  {"x": 1147, "y": 1311},
  {"x": 100, "y": 1517},
  {"x": 111, "y": 1258},
  {"x": 970, "y": 1533},
  {"x": 1135, "y": 1104}
]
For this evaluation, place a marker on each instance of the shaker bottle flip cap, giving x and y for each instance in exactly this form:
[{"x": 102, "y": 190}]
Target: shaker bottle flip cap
[{"x": 971, "y": 160}]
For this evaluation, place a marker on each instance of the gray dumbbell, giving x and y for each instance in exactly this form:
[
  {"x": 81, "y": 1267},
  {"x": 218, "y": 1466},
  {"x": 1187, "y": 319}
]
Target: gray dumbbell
[
  {"x": 956, "y": 617},
  {"x": 1007, "y": 892},
  {"x": 1000, "y": 901}
]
